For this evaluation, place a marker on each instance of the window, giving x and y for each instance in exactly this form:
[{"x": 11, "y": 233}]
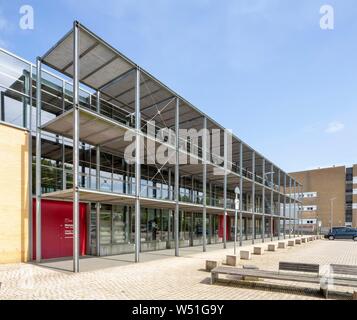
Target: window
[
  {"x": 309, "y": 194},
  {"x": 105, "y": 224},
  {"x": 118, "y": 225},
  {"x": 310, "y": 208}
]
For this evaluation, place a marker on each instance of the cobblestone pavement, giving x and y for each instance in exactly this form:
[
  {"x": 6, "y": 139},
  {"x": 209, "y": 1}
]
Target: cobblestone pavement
[{"x": 163, "y": 276}]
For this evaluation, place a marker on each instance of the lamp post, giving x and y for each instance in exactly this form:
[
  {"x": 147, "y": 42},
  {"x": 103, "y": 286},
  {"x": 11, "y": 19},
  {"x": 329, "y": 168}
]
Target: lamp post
[
  {"x": 331, "y": 218},
  {"x": 236, "y": 205}
]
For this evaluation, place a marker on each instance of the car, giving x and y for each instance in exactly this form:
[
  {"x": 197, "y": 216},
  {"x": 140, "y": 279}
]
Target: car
[{"x": 342, "y": 233}]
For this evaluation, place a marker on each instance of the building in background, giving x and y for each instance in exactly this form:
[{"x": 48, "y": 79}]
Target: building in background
[
  {"x": 67, "y": 189},
  {"x": 329, "y": 197}
]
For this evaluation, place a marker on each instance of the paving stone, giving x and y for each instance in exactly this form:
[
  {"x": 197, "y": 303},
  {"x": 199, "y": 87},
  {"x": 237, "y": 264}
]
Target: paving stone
[{"x": 161, "y": 275}]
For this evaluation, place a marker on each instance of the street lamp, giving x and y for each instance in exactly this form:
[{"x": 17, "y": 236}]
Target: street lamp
[
  {"x": 236, "y": 205},
  {"x": 331, "y": 218}
]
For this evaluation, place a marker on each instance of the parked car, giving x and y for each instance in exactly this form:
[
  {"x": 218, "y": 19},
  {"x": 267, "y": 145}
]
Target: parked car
[{"x": 342, "y": 233}]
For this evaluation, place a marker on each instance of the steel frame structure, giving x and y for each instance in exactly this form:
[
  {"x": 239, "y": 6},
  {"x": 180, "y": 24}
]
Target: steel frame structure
[{"x": 246, "y": 177}]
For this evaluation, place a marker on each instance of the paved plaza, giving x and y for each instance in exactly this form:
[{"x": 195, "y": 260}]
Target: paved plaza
[{"x": 160, "y": 275}]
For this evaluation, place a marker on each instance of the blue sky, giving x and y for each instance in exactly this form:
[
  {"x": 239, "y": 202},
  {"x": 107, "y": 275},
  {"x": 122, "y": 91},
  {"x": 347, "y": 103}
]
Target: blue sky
[{"x": 263, "y": 68}]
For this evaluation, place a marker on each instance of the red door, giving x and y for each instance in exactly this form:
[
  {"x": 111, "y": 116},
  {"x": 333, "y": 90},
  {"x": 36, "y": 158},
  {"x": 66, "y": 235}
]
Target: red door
[
  {"x": 220, "y": 227},
  {"x": 57, "y": 229}
]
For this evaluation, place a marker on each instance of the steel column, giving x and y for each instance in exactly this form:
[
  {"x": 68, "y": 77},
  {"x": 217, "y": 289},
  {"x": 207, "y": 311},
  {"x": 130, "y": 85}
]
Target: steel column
[
  {"x": 38, "y": 160},
  {"x": 204, "y": 159},
  {"x": 241, "y": 194},
  {"x": 29, "y": 184},
  {"x": 75, "y": 147},
  {"x": 294, "y": 208},
  {"x": 279, "y": 206},
  {"x": 284, "y": 208},
  {"x": 97, "y": 183},
  {"x": 272, "y": 204},
  {"x": 225, "y": 189},
  {"x": 300, "y": 210},
  {"x": 253, "y": 198},
  {"x": 263, "y": 200},
  {"x": 2, "y": 106},
  {"x": 290, "y": 191},
  {"x": 170, "y": 211},
  {"x": 177, "y": 177},
  {"x": 137, "y": 166},
  {"x": 98, "y": 101}
]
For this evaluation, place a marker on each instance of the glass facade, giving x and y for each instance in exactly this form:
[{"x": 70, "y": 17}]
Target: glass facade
[{"x": 113, "y": 175}]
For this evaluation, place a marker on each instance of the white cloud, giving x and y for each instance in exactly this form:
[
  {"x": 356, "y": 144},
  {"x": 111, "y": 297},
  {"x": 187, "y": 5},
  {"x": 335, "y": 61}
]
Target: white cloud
[
  {"x": 3, "y": 26},
  {"x": 3, "y": 22},
  {"x": 334, "y": 127},
  {"x": 3, "y": 43}
]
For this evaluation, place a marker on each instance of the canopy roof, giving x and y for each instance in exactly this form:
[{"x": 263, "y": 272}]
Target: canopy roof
[{"x": 105, "y": 69}]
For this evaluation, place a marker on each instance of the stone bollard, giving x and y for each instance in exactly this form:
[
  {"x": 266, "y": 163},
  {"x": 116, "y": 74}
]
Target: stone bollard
[
  {"x": 281, "y": 245},
  {"x": 245, "y": 255},
  {"x": 232, "y": 261},
  {"x": 291, "y": 243},
  {"x": 258, "y": 250},
  {"x": 211, "y": 264},
  {"x": 271, "y": 247}
]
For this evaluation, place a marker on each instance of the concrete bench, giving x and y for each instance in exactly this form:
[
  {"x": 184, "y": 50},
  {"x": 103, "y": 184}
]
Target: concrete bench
[
  {"x": 297, "y": 241},
  {"x": 249, "y": 274},
  {"x": 342, "y": 275},
  {"x": 291, "y": 243},
  {"x": 282, "y": 245},
  {"x": 258, "y": 250},
  {"x": 245, "y": 255},
  {"x": 211, "y": 264},
  {"x": 271, "y": 247},
  {"x": 303, "y": 240},
  {"x": 231, "y": 260}
]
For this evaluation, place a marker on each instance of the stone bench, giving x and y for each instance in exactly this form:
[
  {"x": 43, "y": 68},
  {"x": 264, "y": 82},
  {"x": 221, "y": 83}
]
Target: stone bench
[
  {"x": 281, "y": 245},
  {"x": 245, "y": 255},
  {"x": 271, "y": 247},
  {"x": 211, "y": 264},
  {"x": 297, "y": 241},
  {"x": 258, "y": 250},
  {"x": 291, "y": 243},
  {"x": 303, "y": 240},
  {"x": 231, "y": 260}
]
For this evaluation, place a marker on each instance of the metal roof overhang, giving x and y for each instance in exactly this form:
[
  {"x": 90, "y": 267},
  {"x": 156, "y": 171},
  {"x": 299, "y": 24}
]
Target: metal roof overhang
[
  {"x": 96, "y": 129},
  {"x": 88, "y": 195},
  {"x": 104, "y": 68}
]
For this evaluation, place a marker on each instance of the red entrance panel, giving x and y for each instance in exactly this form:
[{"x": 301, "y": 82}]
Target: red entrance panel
[
  {"x": 220, "y": 227},
  {"x": 57, "y": 229}
]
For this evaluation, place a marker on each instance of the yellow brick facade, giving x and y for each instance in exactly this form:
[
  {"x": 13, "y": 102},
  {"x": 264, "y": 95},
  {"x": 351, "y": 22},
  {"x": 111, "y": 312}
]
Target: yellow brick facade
[{"x": 14, "y": 195}]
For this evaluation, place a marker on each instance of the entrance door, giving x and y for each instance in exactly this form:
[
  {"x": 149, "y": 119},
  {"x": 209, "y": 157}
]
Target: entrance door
[{"x": 57, "y": 229}]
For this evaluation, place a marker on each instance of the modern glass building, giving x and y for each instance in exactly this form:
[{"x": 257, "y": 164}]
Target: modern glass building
[{"x": 120, "y": 163}]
